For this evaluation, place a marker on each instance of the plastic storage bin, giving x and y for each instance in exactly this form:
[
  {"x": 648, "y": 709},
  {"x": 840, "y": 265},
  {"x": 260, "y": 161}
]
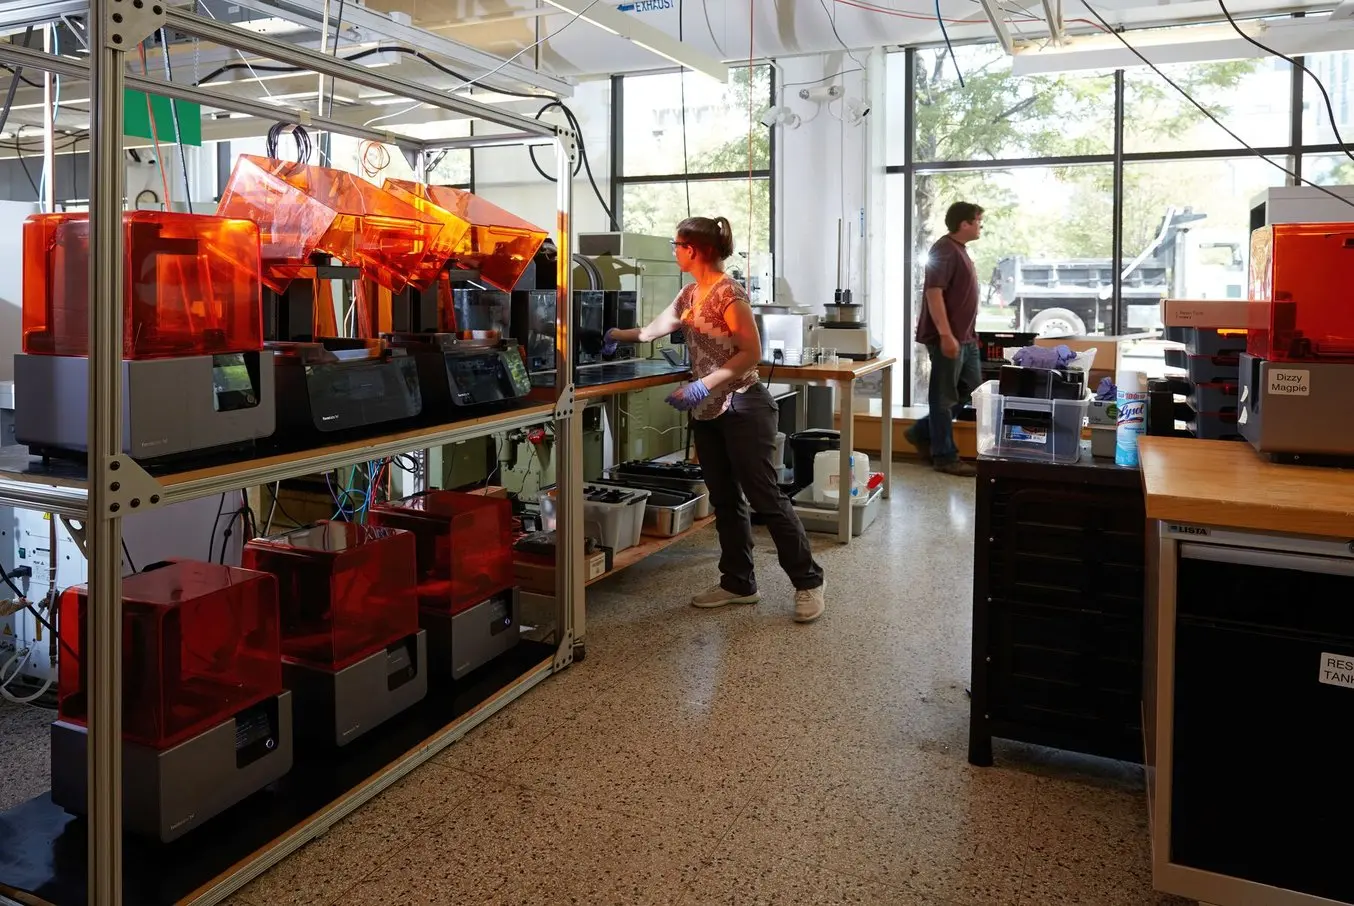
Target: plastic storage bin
[
  {"x": 1023, "y": 428},
  {"x": 1213, "y": 397},
  {"x": 200, "y": 643},
  {"x": 1204, "y": 369},
  {"x": 345, "y": 590},
  {"x": 464, "y": 545},
  {"x": 822, "y": 517},
  {"x": 826, "y": 480},
  {"x": 190, "y": 285},
  {"x": 614, "y": 516},
  {"x": 1208, "y": 340}
]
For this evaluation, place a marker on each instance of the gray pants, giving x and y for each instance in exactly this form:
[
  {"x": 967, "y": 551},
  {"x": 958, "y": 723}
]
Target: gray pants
[{"x": 737, "y": 452}]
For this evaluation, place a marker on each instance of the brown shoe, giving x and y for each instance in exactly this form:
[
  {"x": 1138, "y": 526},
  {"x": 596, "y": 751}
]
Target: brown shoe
[
  {"x": 922, "y": 447},
  {"x": 961, "y": 469}
]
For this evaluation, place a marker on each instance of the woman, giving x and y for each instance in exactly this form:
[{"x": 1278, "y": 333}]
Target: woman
[{"x": 735, "y": 419}]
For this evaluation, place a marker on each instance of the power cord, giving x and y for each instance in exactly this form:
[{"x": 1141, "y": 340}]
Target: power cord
[
  {"x": 583, "y": 160},
  {"x": 1330, "y": 109},
  {"x": 1208, "y": 113}
]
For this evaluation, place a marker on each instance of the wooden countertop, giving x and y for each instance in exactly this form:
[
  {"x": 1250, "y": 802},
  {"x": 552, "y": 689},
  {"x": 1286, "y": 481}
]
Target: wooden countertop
[
  {"x": 844, "y": 370},
  {"x": 1228, "y": 484}
]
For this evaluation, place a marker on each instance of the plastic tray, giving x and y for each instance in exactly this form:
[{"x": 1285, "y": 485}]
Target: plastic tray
[
  {"x": 1034, "y": 429},
  {"x": 1208, "y": 341},
  {"x": 1213, "y": 397},
  {"x": 1203, "y": 369},
  {"x": 821, "y": 517}
]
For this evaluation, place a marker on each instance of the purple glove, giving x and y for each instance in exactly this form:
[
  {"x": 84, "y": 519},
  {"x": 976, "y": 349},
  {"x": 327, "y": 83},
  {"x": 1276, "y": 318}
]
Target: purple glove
[
  {"x": 1106, "y": 391},
  {"x": 609, "y": 342},
  {"x": 1044, "y": 357},
  {"x": 684, "y": 399}
]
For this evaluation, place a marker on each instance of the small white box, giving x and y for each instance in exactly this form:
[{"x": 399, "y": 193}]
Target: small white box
[{"x": 1234, "y": 314}]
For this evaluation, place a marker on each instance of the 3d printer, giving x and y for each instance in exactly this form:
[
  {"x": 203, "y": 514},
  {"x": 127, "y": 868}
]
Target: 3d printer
[
  {"x": 307, "y": 216},
  {"x": 194, "y": 375},
  {"x": 205, "y": 722},
  {"x": 459, "y": 336},
  {"x": 1299, "y": 361},
  {"x": 352, "y": 652},
  {"x": 467, "y": 600}
]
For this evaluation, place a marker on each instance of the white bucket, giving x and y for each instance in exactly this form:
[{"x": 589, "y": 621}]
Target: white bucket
[{"x": 826, "y": 485}]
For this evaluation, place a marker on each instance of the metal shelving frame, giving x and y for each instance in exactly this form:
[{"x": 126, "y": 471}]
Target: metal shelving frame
[{"x": 117, "y": 485}]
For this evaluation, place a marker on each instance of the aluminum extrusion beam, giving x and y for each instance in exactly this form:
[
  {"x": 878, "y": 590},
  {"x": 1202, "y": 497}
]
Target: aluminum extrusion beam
[
  {"x": 997, "y": 16},
  {"x": 104, "y": 426},
  {"x": 280, "y": 468},
  {"x": 507, "y": 140},
  {"x": 16, "y": 15},
  {"x": 1053, "y": 15},
  {"x": 230, "y": 36},
  {"x": 311, "y": 14},
  {"x": 207, "y": 97}
]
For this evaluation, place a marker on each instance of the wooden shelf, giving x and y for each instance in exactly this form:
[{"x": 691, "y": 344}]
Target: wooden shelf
[{"x": 649, "y": 546}]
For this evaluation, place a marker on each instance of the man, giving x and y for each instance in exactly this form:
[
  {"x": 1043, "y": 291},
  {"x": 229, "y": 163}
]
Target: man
[{"x": 947, "y": 327}]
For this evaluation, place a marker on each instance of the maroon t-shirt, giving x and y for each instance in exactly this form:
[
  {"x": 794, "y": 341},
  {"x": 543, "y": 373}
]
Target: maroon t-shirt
[{"x": 950, "y": 270}]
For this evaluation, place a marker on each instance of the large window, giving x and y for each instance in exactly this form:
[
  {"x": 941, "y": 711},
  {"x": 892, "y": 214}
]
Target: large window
[
  {"x": 690, "y": 146},
  {"x": 1061, "y": 253}
]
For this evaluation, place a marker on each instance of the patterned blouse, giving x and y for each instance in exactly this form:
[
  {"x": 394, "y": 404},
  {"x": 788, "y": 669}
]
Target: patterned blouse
[{"x": 711, "y": 340}]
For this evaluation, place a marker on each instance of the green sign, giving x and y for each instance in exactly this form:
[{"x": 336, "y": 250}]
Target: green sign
[{"x": 136, "y": 118}]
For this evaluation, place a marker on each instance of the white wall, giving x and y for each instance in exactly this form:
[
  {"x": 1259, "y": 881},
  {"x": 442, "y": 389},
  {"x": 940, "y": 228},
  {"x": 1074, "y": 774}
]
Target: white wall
[
  {"x": 829, "y": 171},
  {"x": 505, "y": 176}
]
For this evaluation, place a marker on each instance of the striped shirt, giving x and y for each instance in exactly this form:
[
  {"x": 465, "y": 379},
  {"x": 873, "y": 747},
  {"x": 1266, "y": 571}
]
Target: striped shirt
[{"x": 711, "y": 340}]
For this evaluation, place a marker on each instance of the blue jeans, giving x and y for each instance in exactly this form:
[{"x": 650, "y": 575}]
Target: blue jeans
[{"x": 952, "y": 384}]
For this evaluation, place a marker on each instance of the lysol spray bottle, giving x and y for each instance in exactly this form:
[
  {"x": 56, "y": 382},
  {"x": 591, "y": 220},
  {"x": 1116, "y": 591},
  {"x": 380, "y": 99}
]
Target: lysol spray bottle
[{"x": 1131, "y": 399}]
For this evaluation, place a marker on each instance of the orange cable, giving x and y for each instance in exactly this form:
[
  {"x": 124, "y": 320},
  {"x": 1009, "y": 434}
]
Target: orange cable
[{"x": 752, "y": 23}]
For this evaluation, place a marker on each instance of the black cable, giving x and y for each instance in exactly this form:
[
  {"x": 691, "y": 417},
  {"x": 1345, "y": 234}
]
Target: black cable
[
  {"x": 1206, "y": 112},
  {"x": 17, "y": 72},
  {"x": 127, "y": 555},
  {"x": 1330, "y": 109},
  {"x": 582, "y": 159},
  {"x": 18, "y": 151},
  {"x": 216, "y": 524},
  {"x": 827, "y": 78},
  {"x": 363, "y": 54},
  {"x": 832, "y": 21},
  {"x": 178, "y": 130},
  {"x": 944, "y": 33},
  {"x": 327, "y": 143}
]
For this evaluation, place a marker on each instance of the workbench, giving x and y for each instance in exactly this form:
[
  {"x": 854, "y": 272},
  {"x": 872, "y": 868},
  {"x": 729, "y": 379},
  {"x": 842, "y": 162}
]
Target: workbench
[
  {"x": 842, "y": 377},
  {"x": 1248, "y": 703}
]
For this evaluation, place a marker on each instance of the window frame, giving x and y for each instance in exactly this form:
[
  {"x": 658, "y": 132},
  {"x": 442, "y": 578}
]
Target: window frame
[
  {"x": 619, "y": 180},
  {"x": 1291, "y": 154}
]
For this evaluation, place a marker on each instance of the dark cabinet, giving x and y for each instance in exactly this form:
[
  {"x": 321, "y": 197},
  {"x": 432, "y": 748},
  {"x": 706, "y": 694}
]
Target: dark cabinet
[{"x": 1058, "y": 585}]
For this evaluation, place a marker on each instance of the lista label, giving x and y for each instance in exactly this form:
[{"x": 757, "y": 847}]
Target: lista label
[
  {"x": 1337, "y": 669},
  {"x": 1290, "y": 383}
]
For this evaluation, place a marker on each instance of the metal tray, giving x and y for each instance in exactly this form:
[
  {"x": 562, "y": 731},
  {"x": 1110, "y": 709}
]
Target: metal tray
[{"x": 625, "y": 479}]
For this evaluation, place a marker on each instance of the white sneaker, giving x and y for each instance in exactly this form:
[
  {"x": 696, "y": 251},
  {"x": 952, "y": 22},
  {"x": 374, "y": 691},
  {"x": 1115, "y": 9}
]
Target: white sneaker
[
  {"x": 809, "y": 604},
  {"x": 719, "y": 596}
]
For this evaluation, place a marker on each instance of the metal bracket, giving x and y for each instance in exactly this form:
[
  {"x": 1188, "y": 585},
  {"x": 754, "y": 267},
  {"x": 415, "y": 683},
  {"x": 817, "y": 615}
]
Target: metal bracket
[
  {"x": 76, "y": 529},
  {"x": 130, "y": 489},
  {"x": 415, "y": 157},
  {"x": 564, "y": 652},
  {"x": 132, "y": 21},
  {"x": 569, "y": 138},
  {"x": 564, "y": 406}
]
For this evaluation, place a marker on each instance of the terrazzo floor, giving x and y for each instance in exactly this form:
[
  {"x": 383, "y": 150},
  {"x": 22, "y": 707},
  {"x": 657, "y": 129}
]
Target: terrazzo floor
[{"x": 735, "y": 757}]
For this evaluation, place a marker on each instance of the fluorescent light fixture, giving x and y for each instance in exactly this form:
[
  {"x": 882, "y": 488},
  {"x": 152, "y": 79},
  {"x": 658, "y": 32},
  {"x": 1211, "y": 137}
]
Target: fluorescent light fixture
[
  {"x": 624, "y": 25},
  {"x": 1186, "y": 44}
]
